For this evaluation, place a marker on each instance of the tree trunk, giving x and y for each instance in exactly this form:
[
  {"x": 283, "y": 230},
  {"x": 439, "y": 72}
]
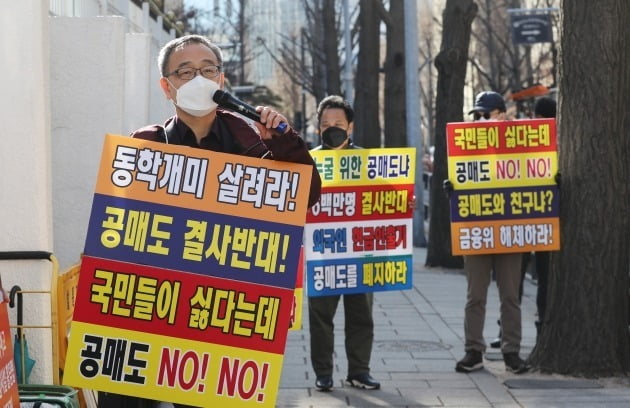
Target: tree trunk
[
  {"x": 314, "y": 40},
  {"x": 331, "y": 46},
  {"x": 427, "y": 84},
  {"x": 243, "y": 40},
  {"x": 367, "y": 128},
  {"x": 585, "y": 331},
  {"x": 451, "y": 65},
  {"x": 395, "y": 102}
]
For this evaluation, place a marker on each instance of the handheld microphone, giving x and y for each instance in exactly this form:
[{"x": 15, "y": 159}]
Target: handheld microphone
[{"x": 226, "y": 100}]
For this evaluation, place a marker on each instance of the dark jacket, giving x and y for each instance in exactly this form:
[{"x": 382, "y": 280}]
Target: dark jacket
[{"x": 232, "y": 134}]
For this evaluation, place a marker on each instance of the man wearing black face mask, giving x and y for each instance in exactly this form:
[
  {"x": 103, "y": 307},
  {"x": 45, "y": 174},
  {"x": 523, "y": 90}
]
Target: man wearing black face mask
[{"x": 335, "y": 116}]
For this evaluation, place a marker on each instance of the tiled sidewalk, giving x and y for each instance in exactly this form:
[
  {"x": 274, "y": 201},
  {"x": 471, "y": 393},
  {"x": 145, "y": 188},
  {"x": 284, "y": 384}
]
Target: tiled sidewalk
[{"x": 418, "y": 339}]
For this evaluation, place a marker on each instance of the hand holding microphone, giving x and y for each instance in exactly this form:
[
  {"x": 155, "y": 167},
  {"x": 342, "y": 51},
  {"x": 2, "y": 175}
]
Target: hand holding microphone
[{"x": 226, "y": 100}]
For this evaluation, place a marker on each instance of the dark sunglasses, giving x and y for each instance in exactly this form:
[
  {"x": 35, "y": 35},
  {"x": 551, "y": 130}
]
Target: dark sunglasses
[{"x": 477, "y": 115}]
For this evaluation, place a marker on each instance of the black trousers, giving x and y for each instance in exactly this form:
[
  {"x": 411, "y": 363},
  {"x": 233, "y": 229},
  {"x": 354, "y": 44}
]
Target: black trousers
[
  {"x": 110, "y": 400},
  {"x": 359, "y": 332},
  {"x": 542, "y": 270},
  {"x": 542, "y": 275}
]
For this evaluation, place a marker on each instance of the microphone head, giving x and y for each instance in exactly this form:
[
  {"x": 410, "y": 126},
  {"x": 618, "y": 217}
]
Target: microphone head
[{"x": 220, "y": 96}]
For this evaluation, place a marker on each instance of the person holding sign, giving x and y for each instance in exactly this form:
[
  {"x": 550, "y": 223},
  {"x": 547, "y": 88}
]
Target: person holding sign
[
  {"x": 335, "y": 117},
  {"x": 191, "y": 74},
  {"x": 478, "y": 269}
]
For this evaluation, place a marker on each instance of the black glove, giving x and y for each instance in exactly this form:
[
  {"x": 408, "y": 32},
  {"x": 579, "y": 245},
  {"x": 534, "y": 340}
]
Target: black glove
[
  {"x": 558, "y": 179},
  {"x": 447, "y": 186}
]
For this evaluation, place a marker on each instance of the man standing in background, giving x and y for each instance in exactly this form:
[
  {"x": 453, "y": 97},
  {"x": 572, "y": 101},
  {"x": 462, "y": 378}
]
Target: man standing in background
[
  {"x": 335, "y": 117},
  {"x": 478, "y": 269}
]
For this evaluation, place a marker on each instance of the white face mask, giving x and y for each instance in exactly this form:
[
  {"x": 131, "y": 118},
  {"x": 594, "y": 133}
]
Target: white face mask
[{"x": 195, "y": 96}]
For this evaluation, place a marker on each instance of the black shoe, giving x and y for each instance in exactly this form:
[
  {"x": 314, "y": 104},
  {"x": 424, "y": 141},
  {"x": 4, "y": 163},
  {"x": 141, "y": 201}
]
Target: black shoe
[
  {"x": 364, "y": 381},
  {"x": 514, "y": 364},
  {"x": 473, "y": 360},
  {"x": 496, "y": 343},
  {"x": 324, "y": 382}
]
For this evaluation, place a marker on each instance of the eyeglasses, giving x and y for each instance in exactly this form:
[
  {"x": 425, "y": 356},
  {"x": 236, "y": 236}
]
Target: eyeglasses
[
  {"x": 188, "y": 73},
  {"x": 485, "y": 115}
]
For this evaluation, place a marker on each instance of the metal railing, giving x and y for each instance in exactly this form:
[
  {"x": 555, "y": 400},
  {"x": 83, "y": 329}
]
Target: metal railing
[{"x": 20, "y": 326}]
